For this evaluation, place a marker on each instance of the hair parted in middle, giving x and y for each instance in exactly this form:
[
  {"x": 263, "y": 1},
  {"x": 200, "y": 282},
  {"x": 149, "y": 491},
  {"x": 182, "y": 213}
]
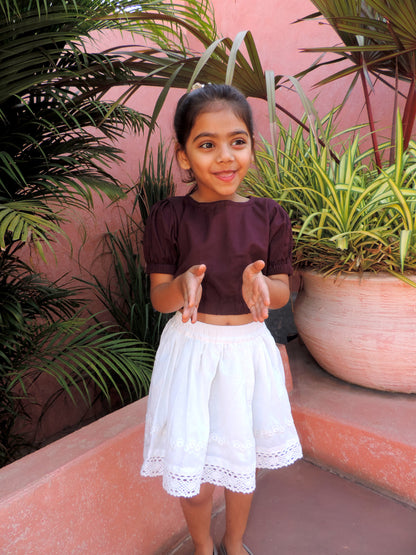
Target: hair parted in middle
[{"x": 201, "y": 99}]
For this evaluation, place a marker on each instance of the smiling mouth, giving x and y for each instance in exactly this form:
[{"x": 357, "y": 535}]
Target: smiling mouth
[{"x": 226, "y": 175}]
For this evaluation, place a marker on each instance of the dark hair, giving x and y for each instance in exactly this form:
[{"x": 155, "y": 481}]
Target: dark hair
[{"x": 200, "y": 100}]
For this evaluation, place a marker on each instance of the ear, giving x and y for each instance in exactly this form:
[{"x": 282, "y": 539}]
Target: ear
[{"x": 182, "y": 158}]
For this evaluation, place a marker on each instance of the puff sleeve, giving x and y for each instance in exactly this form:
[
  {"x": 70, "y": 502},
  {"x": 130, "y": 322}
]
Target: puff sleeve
[
  {"x": 280, "y": 242},
  {"x": 160, "y": 239}
]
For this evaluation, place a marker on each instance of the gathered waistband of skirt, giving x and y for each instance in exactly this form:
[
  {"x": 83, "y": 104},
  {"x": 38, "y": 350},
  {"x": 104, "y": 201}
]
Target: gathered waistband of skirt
[{"x": 216, "y": 333}]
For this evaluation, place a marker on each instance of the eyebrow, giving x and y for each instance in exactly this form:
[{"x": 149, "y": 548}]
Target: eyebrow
[{"x": 213, "y": 135}]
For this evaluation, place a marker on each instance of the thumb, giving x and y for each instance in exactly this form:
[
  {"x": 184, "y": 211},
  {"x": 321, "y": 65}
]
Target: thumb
[
  {"x": 198, "y": 270},
  {"x": 258, "y": 265}
]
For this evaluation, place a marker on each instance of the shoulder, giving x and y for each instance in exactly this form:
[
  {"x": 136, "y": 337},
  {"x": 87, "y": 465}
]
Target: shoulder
[
  {"x": 167, "y": 210},
  {"x": 161, "y": 232},
  {"x": 266, "y": 203},
  {"x": 271, "y": 207},
  {"x": 170, "y": 204}
]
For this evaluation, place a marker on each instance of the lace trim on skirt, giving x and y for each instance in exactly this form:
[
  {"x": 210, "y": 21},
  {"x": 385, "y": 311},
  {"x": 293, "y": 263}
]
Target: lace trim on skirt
[{"x": 180, "y": 484}]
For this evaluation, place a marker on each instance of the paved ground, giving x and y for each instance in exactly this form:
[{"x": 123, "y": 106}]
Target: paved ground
[{"x": 304, "y": 510}]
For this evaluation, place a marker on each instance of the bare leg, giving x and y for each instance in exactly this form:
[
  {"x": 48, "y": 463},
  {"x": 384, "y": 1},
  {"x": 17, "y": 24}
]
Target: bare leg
[
  {"x": 198, "y": 511},
  {"x": 237, "y": 507}
]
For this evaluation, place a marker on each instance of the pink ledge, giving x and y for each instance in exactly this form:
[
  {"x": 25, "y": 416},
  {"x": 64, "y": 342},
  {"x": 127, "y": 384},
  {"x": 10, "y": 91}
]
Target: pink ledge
[{"x": 84, "y": 494}]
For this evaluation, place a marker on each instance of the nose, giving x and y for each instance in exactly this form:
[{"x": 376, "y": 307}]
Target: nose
[{"x": 225, "y": 153}]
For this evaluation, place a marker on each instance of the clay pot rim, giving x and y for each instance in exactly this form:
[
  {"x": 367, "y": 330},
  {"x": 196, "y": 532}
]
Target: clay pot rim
[{"x": 358, "y": 276}]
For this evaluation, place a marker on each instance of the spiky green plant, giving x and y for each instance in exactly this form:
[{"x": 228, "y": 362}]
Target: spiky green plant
[
  {"x": 126, "y": 293},
  {"x": 346, "y": 215},
  {"x": 155, "y": 183}
]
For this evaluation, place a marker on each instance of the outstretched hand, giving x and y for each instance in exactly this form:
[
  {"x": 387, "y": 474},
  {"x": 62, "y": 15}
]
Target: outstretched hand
[
  {"x": 255, "y": 291},
  {"x": 192, "y": 291}
]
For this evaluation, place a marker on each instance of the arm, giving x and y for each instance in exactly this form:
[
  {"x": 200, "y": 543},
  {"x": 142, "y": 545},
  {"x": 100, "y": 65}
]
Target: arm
[
  {"x": 169, "y": 294},
  {"x": 262, "y": 292}
]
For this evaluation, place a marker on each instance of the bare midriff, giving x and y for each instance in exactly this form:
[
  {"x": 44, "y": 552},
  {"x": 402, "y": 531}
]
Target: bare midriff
[{"x": 225, "y": 319}]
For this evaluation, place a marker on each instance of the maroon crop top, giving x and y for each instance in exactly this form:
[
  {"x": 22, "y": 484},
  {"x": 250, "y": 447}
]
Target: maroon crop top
[{"x": 226, "y": 236}]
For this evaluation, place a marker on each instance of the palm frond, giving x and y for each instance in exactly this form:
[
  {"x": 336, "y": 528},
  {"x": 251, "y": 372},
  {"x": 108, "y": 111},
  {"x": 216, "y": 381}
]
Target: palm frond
[
  {"x": 378, "y": 40},
  {"x": 79, "y": 352}
]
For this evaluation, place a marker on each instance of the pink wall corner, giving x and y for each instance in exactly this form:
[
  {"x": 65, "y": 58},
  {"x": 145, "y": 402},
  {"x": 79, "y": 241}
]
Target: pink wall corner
[{"x": 385, "y": 464}]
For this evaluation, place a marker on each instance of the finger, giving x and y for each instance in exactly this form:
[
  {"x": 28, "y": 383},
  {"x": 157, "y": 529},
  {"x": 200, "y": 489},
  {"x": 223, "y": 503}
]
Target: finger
[
  {"x": 190, "y": 313},
  {"x": 266, "y": 297},
  {"x": 259, "y": 312},
  {"x": 190, "y": 294},
  {"x": 194, "y": 315},
  {"x": 186, "y": 314},
  {"x": 187, "y": 305},
  {"x": 253, "y": 269}
]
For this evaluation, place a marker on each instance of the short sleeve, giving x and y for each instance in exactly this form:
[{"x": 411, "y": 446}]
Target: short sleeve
[
  {"x": 160, "y": 239},
  {"x": 281, "y": 242}
]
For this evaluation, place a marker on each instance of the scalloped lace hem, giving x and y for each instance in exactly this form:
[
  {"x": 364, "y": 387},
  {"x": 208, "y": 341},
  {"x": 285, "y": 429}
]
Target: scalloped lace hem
[
  {"x": 180, "y": 484},
  {"x": 285, "y": 457}
]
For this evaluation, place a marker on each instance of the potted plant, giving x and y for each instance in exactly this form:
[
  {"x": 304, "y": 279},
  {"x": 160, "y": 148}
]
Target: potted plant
[
  {"x": 353, "y": 212},
  {"x": 355, "y": 248}
]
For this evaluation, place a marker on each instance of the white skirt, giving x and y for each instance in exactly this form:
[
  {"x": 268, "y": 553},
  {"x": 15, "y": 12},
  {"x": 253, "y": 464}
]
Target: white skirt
[{"x": 217, "y": 408}]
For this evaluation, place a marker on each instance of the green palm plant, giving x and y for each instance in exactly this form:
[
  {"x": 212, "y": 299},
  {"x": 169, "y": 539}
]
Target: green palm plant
[
  {"x": 378, "y": 40},
  {"x": 42, "y": 333},
  {"x": 57, "y": 137},
  {"x": 51, "y": 102},
  {"x": 24, "y": 297}
]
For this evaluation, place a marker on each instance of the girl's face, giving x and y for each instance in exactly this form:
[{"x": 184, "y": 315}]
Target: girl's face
[{"x": 219, "y": 151}]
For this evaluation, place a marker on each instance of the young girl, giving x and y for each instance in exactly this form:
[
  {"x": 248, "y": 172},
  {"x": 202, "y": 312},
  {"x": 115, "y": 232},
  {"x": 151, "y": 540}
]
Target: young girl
[{"x": 217, "y": 407}]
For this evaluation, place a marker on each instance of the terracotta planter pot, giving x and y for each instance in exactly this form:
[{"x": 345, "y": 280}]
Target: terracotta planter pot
[{"x": 361, "y": 329}]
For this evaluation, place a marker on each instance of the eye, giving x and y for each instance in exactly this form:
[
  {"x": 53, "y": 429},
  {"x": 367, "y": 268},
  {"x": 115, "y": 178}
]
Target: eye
[
  {"x": 240, "y": 141},
  {"x": 207, "y": 145}
]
